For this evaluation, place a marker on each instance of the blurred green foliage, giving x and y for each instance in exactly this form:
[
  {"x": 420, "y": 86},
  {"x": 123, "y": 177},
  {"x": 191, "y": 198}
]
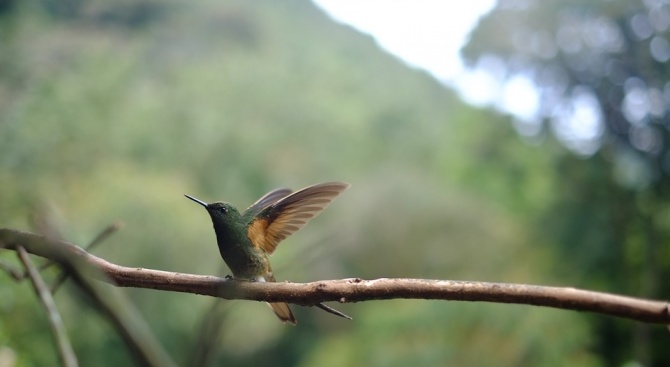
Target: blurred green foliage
[
  {"x": 114, "y": 110},
  {"x": 610, "y": 213}
]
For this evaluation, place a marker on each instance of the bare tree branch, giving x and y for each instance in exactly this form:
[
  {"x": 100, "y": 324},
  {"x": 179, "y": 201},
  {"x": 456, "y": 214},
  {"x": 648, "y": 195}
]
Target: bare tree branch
[
  {"x": 345, "y": 290},
  {"x": 103, "y": 235},
  {"x": 126, "y": 319},
  {"x": 113, "y": 304},
  {"x": 108, "y": 231},
  {"x": 65, "y": 351}
]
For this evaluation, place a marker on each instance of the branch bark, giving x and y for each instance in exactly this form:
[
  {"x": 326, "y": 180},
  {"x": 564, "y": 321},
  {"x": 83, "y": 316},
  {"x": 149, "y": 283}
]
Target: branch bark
[{"x": 344, "y": 290}]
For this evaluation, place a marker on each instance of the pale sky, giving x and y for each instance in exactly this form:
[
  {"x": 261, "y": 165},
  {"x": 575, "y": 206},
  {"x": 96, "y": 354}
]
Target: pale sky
[{"x": 428, "y": 34}]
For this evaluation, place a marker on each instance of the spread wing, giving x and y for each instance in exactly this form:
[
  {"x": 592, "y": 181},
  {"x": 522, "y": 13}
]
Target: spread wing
[
  {"x": 266, "y": 200},
  {"x": 281, "y": 219}
]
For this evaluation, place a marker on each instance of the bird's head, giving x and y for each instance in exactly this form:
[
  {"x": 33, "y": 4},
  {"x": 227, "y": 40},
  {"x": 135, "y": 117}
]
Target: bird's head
[{"x": 221, "y": 213}]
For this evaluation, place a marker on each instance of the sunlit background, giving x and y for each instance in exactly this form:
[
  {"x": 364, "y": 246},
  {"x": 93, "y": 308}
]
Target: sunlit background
[
  {"x": 512, "y": 141},
  {"x": 429, "y": 36}
]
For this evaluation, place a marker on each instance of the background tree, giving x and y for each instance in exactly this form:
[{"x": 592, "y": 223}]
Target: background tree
[{"x": 602, "y": 78}]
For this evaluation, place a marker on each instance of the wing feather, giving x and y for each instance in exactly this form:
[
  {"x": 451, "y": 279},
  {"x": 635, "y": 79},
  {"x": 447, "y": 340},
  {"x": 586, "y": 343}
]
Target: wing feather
[
  {"x": 264, "y": 201},
  {"x": 289, "y": 214}
]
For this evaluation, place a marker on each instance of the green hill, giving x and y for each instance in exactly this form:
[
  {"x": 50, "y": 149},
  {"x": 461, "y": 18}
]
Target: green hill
[{"x": 114, "y": 110}]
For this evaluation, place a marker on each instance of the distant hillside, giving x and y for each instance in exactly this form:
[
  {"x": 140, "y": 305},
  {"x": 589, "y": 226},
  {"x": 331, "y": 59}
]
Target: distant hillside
[{"x": 113, "y": 110}]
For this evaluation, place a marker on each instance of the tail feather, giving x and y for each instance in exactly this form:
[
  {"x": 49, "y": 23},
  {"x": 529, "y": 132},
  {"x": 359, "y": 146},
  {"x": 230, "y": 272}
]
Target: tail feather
[{"x": 283, "y": 311}]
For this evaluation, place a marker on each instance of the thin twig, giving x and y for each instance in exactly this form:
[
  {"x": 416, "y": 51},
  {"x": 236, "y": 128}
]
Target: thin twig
[
  {"x": 208, "y": 340},
  {"x": 345, "y": 290},
  {"x": 65, "y": 352},
  {"x": 103, "y": 235},
  {"x": 108, "y": 231},
  {"x": 13, "y": 272}
]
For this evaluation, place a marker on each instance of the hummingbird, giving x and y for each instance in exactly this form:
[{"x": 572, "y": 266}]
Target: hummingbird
[{"x": 247, "y": 239}]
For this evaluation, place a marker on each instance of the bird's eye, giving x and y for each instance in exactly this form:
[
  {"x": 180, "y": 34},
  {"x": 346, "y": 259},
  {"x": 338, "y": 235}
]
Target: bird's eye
[{"x": 224, "y": 209}]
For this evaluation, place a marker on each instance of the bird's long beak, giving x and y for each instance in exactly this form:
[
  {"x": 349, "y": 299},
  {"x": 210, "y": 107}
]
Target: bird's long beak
[{"x": 197, "y": 201}]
